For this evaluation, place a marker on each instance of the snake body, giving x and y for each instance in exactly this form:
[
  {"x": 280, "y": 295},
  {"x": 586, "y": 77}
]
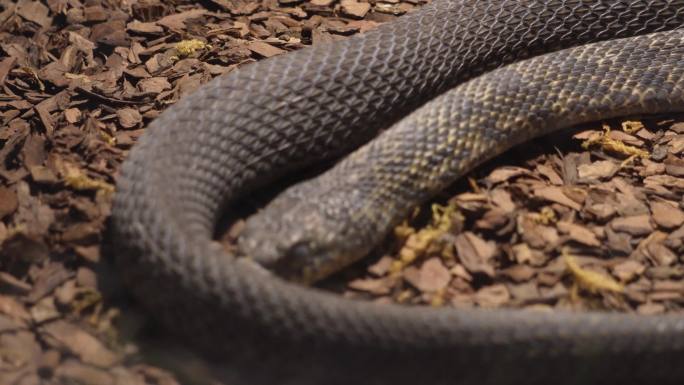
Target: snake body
[{"x": 242, "y": 131}]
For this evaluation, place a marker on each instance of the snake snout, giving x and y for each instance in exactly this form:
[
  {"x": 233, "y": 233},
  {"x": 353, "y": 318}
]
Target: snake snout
[
  {"x": 299, "y": 263},
  {"x": 296, "y": 259},
  {"x": 300, "y": 244}
]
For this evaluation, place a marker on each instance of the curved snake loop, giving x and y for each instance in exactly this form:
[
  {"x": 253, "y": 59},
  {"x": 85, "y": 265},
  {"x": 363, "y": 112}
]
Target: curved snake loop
[{"x": 242, "y": 131}]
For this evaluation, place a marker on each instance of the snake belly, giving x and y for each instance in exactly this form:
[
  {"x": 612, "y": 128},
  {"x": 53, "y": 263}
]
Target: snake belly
[{"x": 241, "y": 131}]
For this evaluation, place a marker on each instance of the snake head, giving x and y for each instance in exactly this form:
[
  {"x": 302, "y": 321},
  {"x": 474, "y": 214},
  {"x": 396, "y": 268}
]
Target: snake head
[{"x": 297, "y": 240}]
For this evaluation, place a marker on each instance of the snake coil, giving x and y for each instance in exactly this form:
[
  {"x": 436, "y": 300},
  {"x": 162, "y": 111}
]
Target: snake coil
[{"x": 243, "y": 130}]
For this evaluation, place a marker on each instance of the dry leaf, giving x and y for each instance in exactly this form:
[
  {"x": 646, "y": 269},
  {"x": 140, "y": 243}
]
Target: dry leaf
[
  {"x": 634, "y": 225},
  {"x": 579, "y": 233},
  {"x": 598, "y": 170},
  {"x": 492, "y": 296},
  {"x": 667, "y": 215},
  {"x": 432, "y": 276},
  {"x": 557, "y": 195},
  {"x": 88, "y": 348},
  {"x": 475, "y": 253}
]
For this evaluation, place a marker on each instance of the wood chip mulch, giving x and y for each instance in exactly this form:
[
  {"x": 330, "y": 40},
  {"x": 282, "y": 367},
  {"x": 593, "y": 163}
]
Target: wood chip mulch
[
  {"x": 600, "y": 228},
  {"x": 80, "y": 80}
]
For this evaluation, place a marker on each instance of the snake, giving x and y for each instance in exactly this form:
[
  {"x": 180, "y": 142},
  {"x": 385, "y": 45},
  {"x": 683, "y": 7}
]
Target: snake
[{"x": 414, "y": 104}]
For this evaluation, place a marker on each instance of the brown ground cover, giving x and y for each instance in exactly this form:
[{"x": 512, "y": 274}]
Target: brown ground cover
[{"x": 599, "y": 227}]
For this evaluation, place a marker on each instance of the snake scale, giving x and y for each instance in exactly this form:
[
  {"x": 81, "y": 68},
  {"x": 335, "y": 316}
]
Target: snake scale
[{"x": 242, "y": 131}]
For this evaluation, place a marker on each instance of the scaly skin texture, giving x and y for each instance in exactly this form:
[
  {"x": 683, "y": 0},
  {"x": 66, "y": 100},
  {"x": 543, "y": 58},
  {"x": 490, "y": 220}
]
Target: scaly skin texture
[{"x": 241, "y": 131}]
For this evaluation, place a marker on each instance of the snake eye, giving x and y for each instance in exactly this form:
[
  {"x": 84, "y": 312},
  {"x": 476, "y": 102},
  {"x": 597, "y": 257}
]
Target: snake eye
[
  {"x": 293, "y": 261},
  {"x": 299, "y": 252}
]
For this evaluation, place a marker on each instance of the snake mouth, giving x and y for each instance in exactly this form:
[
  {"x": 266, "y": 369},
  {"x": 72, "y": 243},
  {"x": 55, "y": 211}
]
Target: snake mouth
[{"x": 304, "y": 263}]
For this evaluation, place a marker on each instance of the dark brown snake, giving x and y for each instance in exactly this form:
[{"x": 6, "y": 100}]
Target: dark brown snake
[{"x": 242, "y": 131}]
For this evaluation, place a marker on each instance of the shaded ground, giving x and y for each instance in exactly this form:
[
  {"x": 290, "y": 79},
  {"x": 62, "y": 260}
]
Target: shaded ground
[{"x": 81, "y": 79}]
